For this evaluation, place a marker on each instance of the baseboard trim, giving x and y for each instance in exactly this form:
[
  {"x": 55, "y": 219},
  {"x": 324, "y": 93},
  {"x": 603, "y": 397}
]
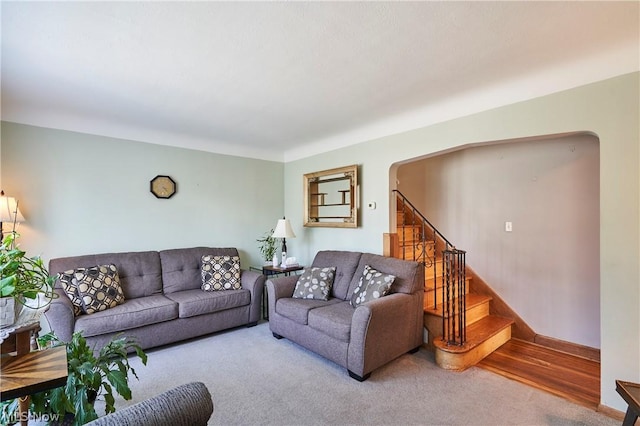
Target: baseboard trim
[{"x": 568, "y": 347}]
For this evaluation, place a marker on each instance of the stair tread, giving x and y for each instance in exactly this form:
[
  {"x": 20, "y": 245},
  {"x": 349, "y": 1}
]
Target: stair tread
[
  {"x": 473, "y": 300},
  {"x": 477, "y": 333}
]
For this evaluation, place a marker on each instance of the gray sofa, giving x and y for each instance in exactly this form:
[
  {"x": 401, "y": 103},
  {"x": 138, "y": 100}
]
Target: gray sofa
[
  {"x": 163, "y": 299},
  {"x": 360, "y": 339},
  {"x": 185, "y": 405}
]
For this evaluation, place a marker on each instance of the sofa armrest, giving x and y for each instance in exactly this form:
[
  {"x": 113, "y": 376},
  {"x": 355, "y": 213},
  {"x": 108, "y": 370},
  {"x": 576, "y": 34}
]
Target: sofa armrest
[
  {"x": 186, "y": 405},
  {"x": 251, "y": 280},
  {"x": 254, "y": 282},
  {"x": 278, "y": 288},
  {"x": 60, "y": 316},
  {"x": 281, "y": 287},
  {"x": 384, "y": 329}
]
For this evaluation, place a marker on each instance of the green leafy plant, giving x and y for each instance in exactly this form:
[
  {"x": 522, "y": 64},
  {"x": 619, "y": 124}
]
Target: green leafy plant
[
  {"x": 90, "y": 376},
  {"x": 23, "y": 277},
  {"x": 267, "y": 245}
]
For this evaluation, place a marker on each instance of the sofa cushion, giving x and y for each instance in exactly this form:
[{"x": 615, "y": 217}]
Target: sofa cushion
[
  {"x": 99, "y": 288},
  {"x": 315, "y": 283},
  {"x": 132, "y": 313},
  {"x": 220, "y": 273},
  {"x": 181, "y": 267},
  {"x": 68, "y": 282},
  {"x": 298, "y": 309},
  {"x": 405, "y": 272},
  {"x": 345, "y": 263},
  {"x": 373, "y": 284},
  {"x": 197, "y": 302},
  {"x": 334, "y": 320},
  {"x": 139, "y": 272}
]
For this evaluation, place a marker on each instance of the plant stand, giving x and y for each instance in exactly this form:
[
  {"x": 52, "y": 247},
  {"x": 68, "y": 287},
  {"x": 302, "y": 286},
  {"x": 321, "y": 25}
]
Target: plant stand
[{"x": 9, "y": 311}]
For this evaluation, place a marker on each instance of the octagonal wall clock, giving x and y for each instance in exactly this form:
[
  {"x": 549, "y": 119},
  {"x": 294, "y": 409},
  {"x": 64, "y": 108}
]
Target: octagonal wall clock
[{"x": 162, "y": 186}]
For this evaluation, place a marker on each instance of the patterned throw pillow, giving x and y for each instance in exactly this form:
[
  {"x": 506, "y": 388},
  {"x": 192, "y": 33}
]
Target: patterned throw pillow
[
  {"x": 315, "y": 283},
  {"x": 373, "y": 284},
  {"x": 69, "y": 284},
  {"x": 220, "y": 273},
  {"x": 99, "y": 288}
]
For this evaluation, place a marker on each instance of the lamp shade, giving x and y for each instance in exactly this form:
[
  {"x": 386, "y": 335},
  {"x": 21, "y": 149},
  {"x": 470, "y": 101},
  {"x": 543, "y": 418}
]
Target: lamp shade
[
  {"x": 283, "y": 229},
  {"x": 9, "y": 209}
]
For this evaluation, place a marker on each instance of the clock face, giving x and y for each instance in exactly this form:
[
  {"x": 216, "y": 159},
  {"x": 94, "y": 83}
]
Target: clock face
[{"x": 163, "y": 186}]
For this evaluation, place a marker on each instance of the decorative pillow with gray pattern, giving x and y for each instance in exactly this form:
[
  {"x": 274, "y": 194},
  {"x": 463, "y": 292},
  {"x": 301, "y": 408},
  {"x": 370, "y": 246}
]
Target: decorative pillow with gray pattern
[
  {"x": 99, "y": 288},
  {"x": 69, "y": 284},
  {"x": 220, "y": 273},
  {"x": 373, "y": 284},
  {"x": 315, "y": 283}
]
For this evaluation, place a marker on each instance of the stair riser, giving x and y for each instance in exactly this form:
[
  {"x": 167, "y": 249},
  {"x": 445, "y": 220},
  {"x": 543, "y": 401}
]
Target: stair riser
[
  {"x": 410, "y": 228},
  {"x": 435, "y": 298},
  {"x": 434, "y": 267},
  {"x": 414, "y": 232},
  {"x": 477, "y": 313},
  {"x": 474, "y": 314},
  {"x": 431, "y": 282},
  {"x": 413, "y": 246},
  {"x": 411, "y": 253},
  {"x": 433, "y": 325}
]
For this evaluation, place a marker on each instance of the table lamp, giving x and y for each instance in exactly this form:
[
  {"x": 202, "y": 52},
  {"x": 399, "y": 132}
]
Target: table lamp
[
  {"x": 9, "y": 212},
  {"x": 283, "y": 230}
]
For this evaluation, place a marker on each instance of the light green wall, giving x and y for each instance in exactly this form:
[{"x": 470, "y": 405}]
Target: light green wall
[
  {"x": 84, "y": 194},
  {"x": 609, "y": 109}
]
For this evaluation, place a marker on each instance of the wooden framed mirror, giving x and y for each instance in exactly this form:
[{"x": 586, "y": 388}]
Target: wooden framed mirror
[{"x": 330, "y": 198}]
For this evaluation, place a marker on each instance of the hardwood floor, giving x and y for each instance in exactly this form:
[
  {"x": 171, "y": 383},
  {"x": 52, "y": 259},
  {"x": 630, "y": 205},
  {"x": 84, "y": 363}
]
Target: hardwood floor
[{"x": 572, "y": 377}]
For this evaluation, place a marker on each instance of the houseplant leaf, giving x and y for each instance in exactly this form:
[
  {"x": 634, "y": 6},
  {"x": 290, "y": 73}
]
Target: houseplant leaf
[{"x": 119, "y": 381}]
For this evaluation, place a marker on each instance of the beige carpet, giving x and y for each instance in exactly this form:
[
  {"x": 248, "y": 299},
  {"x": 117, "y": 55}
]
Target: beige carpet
[{"x": 258, "y": 380}]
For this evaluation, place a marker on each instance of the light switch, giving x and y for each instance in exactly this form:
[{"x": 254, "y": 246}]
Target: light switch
[{"x": 508, "y": 226}]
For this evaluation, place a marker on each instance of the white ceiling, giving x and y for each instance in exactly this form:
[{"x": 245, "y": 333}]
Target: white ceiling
[{"x": 284, "y": 80}]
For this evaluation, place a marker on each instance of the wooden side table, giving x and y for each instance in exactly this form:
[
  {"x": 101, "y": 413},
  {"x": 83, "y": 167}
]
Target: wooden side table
[
  {"x": 33, "y": 372},
  {"x": 20, "y": 339},
  {"x": 27, "y": 373},
  {"x": 630, "y": 392}
]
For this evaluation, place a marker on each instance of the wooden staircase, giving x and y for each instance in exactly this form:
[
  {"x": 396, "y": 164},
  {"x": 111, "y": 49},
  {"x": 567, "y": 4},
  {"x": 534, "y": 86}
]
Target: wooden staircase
[{"x": 485, "y": 331}]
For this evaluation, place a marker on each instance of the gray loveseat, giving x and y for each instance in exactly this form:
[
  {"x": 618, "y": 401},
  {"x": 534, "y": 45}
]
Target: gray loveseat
[
  {"x": 360, "y": 339},
  {"x": 163, "y": 299}
]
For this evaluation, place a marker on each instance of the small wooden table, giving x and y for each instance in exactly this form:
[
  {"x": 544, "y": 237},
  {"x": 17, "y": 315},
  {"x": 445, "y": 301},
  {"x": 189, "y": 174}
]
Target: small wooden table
[
  {"x": 31, "y": 372},
  {"x": 20, "y": 339},
  {"x": 630, "y": 392}
]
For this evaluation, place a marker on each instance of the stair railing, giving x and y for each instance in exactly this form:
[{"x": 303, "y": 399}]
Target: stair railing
[
  {"x": 422, "y": 244},
  {"x": 454, "y": 309}
]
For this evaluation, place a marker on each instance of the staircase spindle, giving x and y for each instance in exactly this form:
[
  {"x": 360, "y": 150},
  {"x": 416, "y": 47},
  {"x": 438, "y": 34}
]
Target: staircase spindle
[{"x": 454, "y": 329}]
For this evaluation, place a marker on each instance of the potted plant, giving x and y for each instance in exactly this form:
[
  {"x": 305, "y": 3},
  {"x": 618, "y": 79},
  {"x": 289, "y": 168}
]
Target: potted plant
[
  {"x": 267, "y": 246},
  {"x": 90, "y": 376},
  {"x": 22, "y": 278}
]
